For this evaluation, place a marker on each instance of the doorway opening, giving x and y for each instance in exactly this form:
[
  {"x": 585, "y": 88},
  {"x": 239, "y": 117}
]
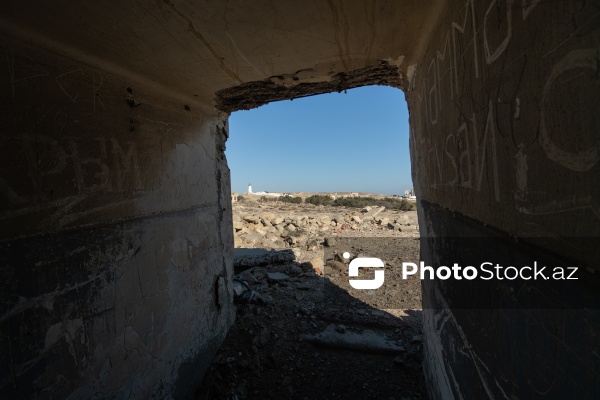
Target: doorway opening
[{"x": 313, "y": 179}]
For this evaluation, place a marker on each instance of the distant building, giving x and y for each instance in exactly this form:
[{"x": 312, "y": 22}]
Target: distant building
[
  {"x": 409, "y": 193},
  {"x": 268, "y": 194},
  {"x": 249, "y": 188}
]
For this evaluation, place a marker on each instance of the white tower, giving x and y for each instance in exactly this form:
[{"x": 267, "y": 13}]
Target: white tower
[{"x": 249, "y": 188}]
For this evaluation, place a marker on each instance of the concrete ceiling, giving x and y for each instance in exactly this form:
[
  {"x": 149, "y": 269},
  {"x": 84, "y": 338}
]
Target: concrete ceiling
[{"x": 196, "y": 48}]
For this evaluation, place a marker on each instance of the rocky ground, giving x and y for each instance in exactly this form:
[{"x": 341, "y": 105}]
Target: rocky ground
[
  {"x": 301, "y": 331},
  {"x": 304, "y": 227}
]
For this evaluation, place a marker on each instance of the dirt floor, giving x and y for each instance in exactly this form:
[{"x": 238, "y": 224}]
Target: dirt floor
[{"x": 301, "y": 335}]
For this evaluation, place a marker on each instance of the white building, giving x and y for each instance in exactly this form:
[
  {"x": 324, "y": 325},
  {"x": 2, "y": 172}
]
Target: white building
[{"x": 249, "y": 188}]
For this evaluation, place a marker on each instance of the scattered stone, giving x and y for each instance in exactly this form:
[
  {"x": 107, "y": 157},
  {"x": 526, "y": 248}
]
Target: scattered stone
[
  {"x": 337, "y": 266},
  {"x": 267, "y": 216},
  {"x": 294, "y": 270},
  {"x": 339, "y": 219},
  {"x": 276, "y": 220},
  {"x": 366, "y": 341},
  {"x": 251, "y": 218},
  {"x": 375, "y": 211},
  {"x": 312, "y": 245},
  {"x": 330, "y": 242},
  {"x": 244, "y": 294},
  {"x": 317, "y": 265},
  {"x": 291, "y": 227},
  {"x": 275, "y": 277}
]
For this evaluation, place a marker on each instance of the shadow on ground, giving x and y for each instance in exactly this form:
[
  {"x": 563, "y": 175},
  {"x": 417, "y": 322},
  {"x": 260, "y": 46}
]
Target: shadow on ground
[{"x": 301, "y": 336}]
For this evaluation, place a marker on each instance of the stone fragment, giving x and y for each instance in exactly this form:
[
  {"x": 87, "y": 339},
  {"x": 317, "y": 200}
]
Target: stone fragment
[
  {"x": 317, "y": 265},
  {"x": 238, "y": 226},
  {"x": 276, "y": 220},
  {"x": 330, "y": 242},
  {"x": 339, "y": 219},
  {"x": 294, "y": 270},
  {"x": 265, "y": 223},
  {"x": 267, "y": 216},
  {"x": 253, "y": 219},
  {"x": 312, "y": 245},
  {"x": 337, "y": 266},
  {"x": 366, "y": 341},
  {"x": 275, "y": 277},
  {"x": 383, "y": 221},
  {"x": 374, "y": 212}
]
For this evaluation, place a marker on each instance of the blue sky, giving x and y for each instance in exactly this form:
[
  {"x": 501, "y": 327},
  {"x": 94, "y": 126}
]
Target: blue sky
[{"x": 337, "y": 142}]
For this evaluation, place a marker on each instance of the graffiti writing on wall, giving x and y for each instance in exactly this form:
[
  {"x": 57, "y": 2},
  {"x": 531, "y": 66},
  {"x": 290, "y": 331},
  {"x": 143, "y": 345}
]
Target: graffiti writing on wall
[{"x": 465, "y": 103}]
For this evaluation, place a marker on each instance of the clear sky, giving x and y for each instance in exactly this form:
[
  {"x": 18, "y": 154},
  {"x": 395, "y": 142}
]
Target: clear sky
[{"x": 337, "y": 142}]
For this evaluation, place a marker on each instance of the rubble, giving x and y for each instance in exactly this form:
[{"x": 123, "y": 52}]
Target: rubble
[{"x": 308, "y": 228}]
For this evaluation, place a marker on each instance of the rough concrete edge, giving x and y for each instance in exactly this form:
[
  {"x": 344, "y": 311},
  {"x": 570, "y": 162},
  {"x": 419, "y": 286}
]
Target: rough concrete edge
[{"x": 254, "y": 94}]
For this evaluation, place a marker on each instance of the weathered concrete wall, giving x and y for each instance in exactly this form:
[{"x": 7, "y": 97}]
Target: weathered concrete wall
[
  {"x": 504, "y": 143},
  {"x": 99, "y": 183},
  {"x": 503, "y": 100},
  {"x": 115, "y": 243}
]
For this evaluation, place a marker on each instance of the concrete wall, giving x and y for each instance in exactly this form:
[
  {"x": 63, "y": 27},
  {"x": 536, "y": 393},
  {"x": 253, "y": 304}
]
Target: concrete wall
[
  {"x": 116, "y": 242},
  {"x": 504, "y": 144},
  {"x": 115, "y": 235},
  {"x": 502, "y": 101}
]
